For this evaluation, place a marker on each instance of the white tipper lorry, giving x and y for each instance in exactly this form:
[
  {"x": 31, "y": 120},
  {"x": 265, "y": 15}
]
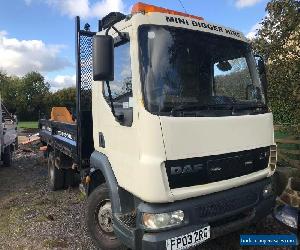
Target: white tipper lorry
[
  {"x": 8, "y": 135},
  {"x": 173, "y": 139}
]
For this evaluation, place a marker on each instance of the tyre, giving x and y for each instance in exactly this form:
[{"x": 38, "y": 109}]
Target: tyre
[
  {"x": 16, "y": 144},
  {"x": 99, "y": 220},
  {"x": 56, "y": 176},
  {"x": 7, "y": 157},
  {"x": 72, "y": 178}
]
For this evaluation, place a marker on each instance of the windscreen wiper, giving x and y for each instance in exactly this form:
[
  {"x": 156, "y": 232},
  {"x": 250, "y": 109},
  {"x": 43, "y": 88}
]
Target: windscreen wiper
[
  {"x": 250, "y": 106},
  {"x": 186, "y": 107}
]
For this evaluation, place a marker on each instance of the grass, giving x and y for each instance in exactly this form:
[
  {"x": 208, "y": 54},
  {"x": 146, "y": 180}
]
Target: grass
[
  {"x": 32, "y": 124},
  {"x": 281, "y": 134},
  {"x": 289, "y": 152},
  {"x": 11, "y": 222},
  {"x": 55, "y": 243}
]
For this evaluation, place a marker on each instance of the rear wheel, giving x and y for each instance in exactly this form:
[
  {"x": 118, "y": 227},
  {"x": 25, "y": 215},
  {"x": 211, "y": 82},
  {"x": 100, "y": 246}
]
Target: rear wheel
[
  {"x": 99, "y": 220},
  {"x": 56, "y": 176},
  {"x": 72, "y": 178},
  {"x": 16, "y": 144},
  {"x": 7, "y": 157}
]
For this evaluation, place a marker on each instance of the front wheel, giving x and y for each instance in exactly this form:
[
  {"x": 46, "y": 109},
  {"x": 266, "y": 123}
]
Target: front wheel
[
  {"x": 7, "y": 156},
  {"x": 99, "y": 219}
]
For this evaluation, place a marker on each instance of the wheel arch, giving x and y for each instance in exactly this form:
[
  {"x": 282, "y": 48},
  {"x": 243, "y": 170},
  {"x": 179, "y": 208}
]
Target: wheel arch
[
  {"x": 101, "y": 172},
  {"x": 100, "y": 165}
]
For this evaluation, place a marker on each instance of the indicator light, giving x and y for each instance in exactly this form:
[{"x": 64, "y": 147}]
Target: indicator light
[{"x": 147, "y": 8}]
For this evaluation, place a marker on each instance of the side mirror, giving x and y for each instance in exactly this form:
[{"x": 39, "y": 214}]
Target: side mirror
[
  {"x": 224, "y": 66},
  {"x": 103, "y": 58},
  {"x": 260, "y": 64}
]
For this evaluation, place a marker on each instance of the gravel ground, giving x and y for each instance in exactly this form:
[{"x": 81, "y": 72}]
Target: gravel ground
[{"x": 33, "y": 217}]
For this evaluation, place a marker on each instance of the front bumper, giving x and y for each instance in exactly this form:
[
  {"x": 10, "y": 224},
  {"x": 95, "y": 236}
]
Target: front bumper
[{"x": 225, "y": 212}]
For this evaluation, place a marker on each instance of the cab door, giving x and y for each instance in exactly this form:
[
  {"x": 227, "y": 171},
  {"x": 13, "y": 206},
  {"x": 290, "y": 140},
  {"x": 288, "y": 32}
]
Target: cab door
[{"x": 116, "y": 135}]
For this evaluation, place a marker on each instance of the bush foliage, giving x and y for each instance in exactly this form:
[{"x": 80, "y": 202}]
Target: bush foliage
[
  {"x": 278, "y": 40},
  {"x": 30, "y": 98}
]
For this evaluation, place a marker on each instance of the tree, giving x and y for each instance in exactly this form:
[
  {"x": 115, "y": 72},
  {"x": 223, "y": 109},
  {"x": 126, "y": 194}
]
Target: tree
[
  {"x": 64, "y": 98},
  {"x": 25, "y": 96},
  {"x": 29, "y": 97},
  {"x": 9, "y": 91},
  {"x": 278, "y": 40}
]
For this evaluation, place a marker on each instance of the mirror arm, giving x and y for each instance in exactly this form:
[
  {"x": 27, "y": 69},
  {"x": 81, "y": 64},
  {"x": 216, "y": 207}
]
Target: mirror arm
[
  {"x": 123, "y": 37},
  {"x": 110, "y": 98},
  {"x": 120, "y": 117},
  {"x": 119, "y": 33},
  {"x": 107, "y": 30}
]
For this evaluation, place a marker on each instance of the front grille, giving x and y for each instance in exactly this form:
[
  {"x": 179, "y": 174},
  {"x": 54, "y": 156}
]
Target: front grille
[
  {"x": 208, "y": 169},
  {"x": 233, "y": 218},
  {"x": 128, "y": 220},
  {"x": 225, "y": 205}
]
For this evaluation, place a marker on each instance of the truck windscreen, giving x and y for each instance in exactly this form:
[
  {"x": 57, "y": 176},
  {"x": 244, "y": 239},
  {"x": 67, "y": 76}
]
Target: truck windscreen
[{"x": 184, "y": 70}]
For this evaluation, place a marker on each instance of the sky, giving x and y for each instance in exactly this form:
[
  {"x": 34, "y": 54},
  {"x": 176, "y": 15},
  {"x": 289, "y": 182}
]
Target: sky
[{"x": 39, "y": 35}]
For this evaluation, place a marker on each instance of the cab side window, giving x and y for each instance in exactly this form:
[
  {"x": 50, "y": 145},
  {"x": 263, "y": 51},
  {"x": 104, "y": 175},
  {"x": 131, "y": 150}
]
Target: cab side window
[{"x": 121, "y": 87}]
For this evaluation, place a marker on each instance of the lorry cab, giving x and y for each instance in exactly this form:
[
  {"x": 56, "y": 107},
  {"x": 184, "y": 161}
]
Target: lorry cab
[
  {"x": 180, "y": 112},
  {"x": 177, "y": 144},
  {"x": 192, "y": 104}
]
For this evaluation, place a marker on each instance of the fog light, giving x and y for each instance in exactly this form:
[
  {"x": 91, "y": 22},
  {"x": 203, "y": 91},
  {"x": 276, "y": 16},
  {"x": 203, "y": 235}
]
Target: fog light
[
  {"x": 267, "y": 191},
  {"x": 163, "y": 220}
]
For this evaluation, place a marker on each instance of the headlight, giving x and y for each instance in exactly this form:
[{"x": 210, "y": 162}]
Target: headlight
[{"x": 163, "y": 220}]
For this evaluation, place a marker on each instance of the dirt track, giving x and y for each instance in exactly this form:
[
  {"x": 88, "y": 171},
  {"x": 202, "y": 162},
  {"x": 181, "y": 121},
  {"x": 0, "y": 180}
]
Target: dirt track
[{"x": 33, "y": 217}]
